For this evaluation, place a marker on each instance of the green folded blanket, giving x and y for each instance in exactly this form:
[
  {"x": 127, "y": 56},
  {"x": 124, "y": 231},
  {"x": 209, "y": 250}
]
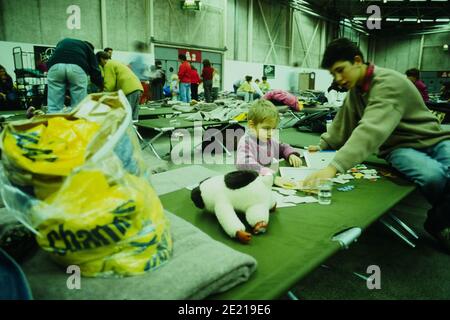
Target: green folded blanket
[{"x": 199, "y": 267}]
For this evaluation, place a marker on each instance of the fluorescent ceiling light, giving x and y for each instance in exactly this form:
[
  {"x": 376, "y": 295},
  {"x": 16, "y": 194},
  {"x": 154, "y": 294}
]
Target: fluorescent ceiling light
[
  {"x": 360, "y": 18},
  {"x": 410, "y": 19},
  {"x": 427, "y": 20},
  {"x": 393, "y": 19},
  {"x": 443, "y": 20}
]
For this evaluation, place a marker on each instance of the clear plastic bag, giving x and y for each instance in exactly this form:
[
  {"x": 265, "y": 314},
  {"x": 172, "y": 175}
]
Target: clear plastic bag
[{"x": 85, "y": 192}]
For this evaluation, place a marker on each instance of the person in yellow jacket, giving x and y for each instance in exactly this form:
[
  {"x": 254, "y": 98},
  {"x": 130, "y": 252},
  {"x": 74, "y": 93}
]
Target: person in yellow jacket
[
  {"x": 117, "y": 76},
  {"x": 246, "y": 90}
]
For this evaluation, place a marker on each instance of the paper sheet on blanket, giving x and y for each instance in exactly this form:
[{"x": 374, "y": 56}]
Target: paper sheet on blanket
[
  {"x": 296, "y": 174},
  {"x": 320, "y": 159}
]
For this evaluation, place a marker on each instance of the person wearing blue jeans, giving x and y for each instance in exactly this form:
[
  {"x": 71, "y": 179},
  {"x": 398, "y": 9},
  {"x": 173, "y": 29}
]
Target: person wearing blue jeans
[
  {"x": 61, "y": 77},
  {"x": 184, "y": 75},
  {"x": 429, "y": 168},
  {"x": 185, "y": 92},
  {"x": 69, "y": 67},
  {"x": 385, "y": 114}
]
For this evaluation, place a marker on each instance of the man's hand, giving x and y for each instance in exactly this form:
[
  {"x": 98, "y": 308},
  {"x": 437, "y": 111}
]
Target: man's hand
[
  {"x": 284, "y": 183},
  {"x": 313, "y": 148},
  {"x": 327, "y": 173},
  {"x": 295, "y": 161}
]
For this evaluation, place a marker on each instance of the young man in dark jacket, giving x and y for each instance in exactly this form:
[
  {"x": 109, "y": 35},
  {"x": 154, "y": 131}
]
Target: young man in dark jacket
[
  {"x": 384, "y": 113},
  {"x": 69, "y": 67}
]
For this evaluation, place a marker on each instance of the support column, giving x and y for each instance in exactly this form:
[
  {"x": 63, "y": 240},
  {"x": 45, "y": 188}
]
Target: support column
[
  {"x": 151, "y": 24},
  {"x": 422, "y": 39},
  {"x": 104, "y": 25},
  {"x": 250, "y": 32},
  {"x": 292, "y": 37}
]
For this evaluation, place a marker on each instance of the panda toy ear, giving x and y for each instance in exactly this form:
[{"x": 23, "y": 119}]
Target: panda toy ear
[{"x": 196, "y": 197}]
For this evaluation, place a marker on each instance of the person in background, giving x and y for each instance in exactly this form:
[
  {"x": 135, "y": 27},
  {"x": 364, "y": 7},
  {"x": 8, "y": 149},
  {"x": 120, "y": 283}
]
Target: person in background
[
  {"x": 246, "y": 90},
  {"x": 157, "y": 81},
  {"x": 8, "y": 95},
  {"x": 258, "y": 93},
  {"x": 109, "y": 51},
  {"x": 414, "y": 76},
  {"x": 141, "y": 69},
  {"x": 69, "y": 67},
  {"x": 335, "y": 95},
  {"x": 207, "y": 77},
  {"x": 264, "y": 85},
  {"x": 215, "y": 85},
  {"x": 445, "y": 92},
  {"x": 184, "y": 77},
  {"x": 119, "y": 77},
  {"x": 195, "y": 81},
  {"x": 174, "y": 86},
  {"x": 237, "y": 84}
]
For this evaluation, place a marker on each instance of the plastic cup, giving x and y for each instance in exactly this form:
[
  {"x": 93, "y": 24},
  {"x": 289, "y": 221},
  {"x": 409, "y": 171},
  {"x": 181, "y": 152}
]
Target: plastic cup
[{"x": 324, "y": 187}]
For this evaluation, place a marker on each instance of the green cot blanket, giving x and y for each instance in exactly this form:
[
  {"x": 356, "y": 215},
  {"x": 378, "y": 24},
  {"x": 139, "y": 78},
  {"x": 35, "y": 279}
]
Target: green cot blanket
[{"x": 299, "y": 238}]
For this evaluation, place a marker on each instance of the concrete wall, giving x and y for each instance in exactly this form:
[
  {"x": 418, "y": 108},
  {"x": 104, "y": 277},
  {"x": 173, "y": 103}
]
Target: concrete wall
[{"x": 45, "y": 21}]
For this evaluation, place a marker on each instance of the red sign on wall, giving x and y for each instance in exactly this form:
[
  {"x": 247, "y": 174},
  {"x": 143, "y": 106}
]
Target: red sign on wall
[{"x": 191, "y": 55}]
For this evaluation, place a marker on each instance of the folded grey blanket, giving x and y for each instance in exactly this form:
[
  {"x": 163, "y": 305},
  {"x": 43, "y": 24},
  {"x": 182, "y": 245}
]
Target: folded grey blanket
[{"x": 199, "y": 267}]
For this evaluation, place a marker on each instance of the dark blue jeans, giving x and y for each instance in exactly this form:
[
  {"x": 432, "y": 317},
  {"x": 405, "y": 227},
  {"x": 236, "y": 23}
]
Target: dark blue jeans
[{"x": 429, "y": 168}]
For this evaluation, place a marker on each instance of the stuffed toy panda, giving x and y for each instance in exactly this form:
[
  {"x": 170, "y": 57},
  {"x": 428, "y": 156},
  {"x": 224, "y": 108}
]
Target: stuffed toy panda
[{"x": 243, "y": 191}]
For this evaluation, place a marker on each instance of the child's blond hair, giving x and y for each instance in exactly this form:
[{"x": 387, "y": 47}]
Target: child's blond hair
[
  {"x": 262, "y": 110},
  {"x": 174, "y": 77}
]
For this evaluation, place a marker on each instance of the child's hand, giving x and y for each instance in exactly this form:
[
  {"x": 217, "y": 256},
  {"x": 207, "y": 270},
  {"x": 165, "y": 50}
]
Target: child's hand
[
  {"x": 284, "y": 183},
  {"x": 295, "y": 161},
  {"x": 313, "y": 148}
]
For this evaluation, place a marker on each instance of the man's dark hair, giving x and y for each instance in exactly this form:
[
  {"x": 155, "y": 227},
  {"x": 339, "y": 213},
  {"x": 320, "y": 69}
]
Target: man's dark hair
[
  {"x": 182, "y": 57},
  {"x": 264, "y": 78},
  {"x": 158, "y": 63},
  {"x": 341, "y": 49},
  {"x": 90, "y": 45},
  {"x": 102, "y": 54},
  {"x": 414, "y": 72},
  {"x": 248, "y": 78},
  {"x": 108, "y": 49}
]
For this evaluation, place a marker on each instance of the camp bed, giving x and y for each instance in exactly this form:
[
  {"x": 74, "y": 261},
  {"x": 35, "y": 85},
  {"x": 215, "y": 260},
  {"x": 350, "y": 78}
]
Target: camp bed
[
  {"x": 300, "y": 238},
  {"x": 149, "y": 113},
  {"x": 166, "y": 125}
]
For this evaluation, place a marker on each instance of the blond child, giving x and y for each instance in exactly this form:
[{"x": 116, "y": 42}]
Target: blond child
[
  {"x": 257, "y": 149},
  {"x": 174, "y": 86}
]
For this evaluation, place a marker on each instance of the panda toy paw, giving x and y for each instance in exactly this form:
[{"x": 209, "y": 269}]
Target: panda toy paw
[
  {"x": 243, "y": 236},
  {"x": 260, "y": 227}
]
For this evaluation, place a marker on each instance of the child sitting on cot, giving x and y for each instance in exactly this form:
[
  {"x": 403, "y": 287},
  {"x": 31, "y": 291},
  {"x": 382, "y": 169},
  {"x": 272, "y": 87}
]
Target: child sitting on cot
[{"x": 257, "y": 148}]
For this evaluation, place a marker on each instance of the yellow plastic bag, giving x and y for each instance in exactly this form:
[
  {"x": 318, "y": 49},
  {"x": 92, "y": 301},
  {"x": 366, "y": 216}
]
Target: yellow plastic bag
[
  {"x": 104, "y": 226},
  {"x": 52, "y": 149},
  {"x": 80, "y": 183}
]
